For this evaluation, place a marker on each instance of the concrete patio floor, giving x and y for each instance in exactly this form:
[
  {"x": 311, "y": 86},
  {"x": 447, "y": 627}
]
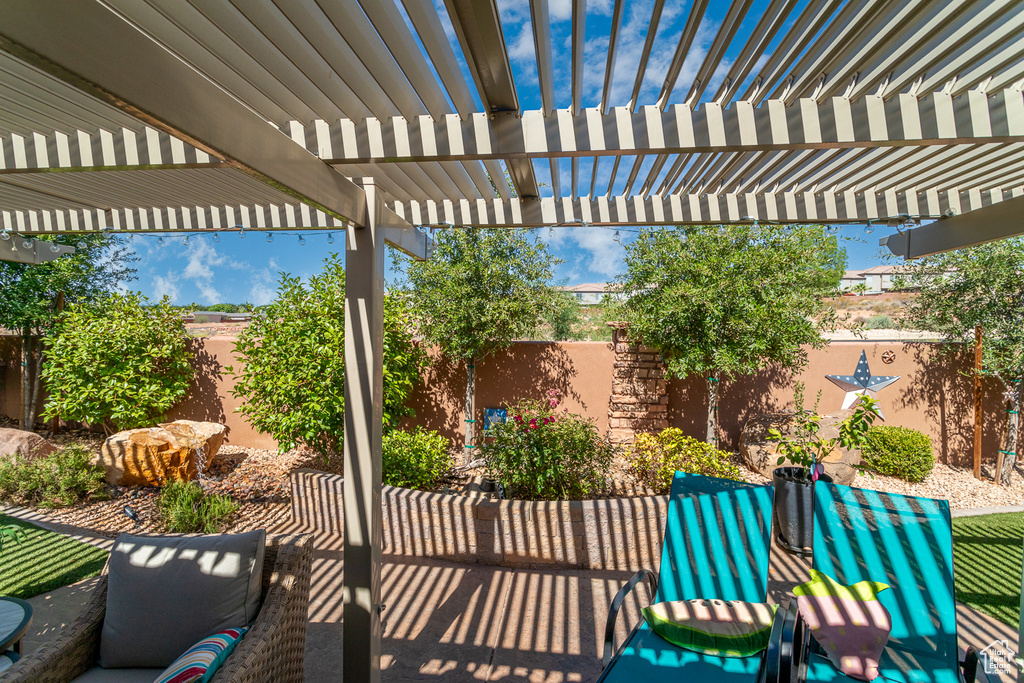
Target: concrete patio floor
[{"x": 468, "y": 622}]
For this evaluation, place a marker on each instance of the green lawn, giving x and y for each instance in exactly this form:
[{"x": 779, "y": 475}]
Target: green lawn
[
  {"x": 44, "y": 561},
  {"x": 987, "y": 563}
]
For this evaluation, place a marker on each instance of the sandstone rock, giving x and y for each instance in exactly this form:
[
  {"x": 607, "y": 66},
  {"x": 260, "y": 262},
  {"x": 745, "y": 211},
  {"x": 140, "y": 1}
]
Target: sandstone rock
[
  {"x": 26, "y": 444},
  {"x": 154, "y": 456},
  {"x": 761, "y": 455}
]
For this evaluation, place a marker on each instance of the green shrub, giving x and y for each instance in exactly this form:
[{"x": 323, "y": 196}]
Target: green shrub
[
  {"x": 654, "y": 459},
  {"x": 899, "y": 452},
  {"x": 185, "y": 508},
  {"x": 879, "y": 322},
  {"x": 543, "y": 455},
  {"x": 291, "y": 372},
  {"x": 119, "y": 362},
  {"x": 415, "y": 460},
  {"x": 59, "y": 479}
]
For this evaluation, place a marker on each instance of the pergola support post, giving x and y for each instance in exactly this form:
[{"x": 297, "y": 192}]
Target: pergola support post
[{"x": 364, "y": 401}]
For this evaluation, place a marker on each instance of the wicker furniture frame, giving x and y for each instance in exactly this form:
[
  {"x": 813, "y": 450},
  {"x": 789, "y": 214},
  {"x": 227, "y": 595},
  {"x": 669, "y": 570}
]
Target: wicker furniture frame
[{"x": 272, "y": 650}]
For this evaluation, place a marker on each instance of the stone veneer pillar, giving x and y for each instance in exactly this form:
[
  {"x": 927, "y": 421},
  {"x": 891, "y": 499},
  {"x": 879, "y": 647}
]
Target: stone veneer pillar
[{"x": 639, "y": 400}]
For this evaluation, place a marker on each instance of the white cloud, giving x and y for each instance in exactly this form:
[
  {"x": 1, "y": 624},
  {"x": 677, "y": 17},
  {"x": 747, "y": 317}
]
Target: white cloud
[
  {"x": 204, "y": 262},
  {"x": 262, "y": 290},
  {"x": 166, "y": 286},
  {"x": 606, "y": 253}
]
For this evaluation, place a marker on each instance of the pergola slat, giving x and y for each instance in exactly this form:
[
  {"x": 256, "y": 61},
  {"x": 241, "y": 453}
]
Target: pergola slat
[{"x": 937, "y": 119}]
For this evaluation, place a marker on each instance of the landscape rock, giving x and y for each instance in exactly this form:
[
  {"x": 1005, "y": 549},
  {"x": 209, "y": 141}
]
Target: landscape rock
[
  {"x": 760, "y": 454},
  {"x": 29, "y": 445},
  {"x": 154, "y": 456}
]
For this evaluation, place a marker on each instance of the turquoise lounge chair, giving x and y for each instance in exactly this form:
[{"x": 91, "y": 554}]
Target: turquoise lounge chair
[
  {"x": 716, "y": 546},
  {"x": 907, "y": 543}
]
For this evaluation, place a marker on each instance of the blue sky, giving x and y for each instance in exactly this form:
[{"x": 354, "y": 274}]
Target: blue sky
[{"x": 237, "y": 270}]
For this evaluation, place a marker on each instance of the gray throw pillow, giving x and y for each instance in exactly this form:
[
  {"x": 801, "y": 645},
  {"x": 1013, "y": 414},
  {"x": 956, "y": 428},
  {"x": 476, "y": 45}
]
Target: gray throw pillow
[{"x": 165, "y": 593}]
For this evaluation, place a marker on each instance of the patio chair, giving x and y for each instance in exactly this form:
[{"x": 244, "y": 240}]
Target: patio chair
[
  {"x": 716, "y": 546},
  {"x": 907, "y": 543},
  {"x": 273, "y": 649}
]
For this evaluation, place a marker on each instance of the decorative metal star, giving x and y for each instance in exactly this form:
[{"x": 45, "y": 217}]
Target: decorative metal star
[{"x": 861, "y": 382}]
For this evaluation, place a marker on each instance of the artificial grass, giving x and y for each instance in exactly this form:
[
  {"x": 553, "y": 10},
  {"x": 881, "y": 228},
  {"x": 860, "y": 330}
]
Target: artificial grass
[
  {"x": 987, "y": 552},
  {"x": 45, "y": 560}
]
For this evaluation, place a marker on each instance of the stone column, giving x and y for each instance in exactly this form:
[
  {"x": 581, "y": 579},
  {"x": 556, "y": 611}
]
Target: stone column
[{"x": 639, "y": 400}]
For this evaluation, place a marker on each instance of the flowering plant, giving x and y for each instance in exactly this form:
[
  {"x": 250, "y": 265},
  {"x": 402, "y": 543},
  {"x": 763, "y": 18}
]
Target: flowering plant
[{"x": 543, "y": 454}]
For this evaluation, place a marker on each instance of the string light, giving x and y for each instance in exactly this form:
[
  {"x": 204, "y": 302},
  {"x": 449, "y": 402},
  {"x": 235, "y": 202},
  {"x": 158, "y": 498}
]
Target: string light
[
  {"x": 216, "y": 237},
  {"x": 302, "y": 241},
  {"x": 160, "y": 241},
  {"x": 80, "y": 244},
  {"x": 270, "y": 237},
  {"x": 868, "y": 229},
  {"x": 54, "y": 247},
  {"x": 241, "y": 232},
  {"x": 330, "y": 238},
  {"x": 27, "y": 244},
  {"x": 184, "y": 242},
  {"x": 5, "y": 235}
]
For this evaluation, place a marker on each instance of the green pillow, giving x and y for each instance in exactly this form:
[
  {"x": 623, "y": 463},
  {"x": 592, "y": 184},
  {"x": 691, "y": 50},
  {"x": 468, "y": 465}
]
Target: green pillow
[{"x": 727, "y": 628}]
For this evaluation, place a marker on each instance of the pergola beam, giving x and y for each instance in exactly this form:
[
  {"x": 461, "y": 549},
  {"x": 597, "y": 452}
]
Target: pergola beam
[
  {"x": 698, "y": 209},
  {"x": 836, "y": 123},
  {"x": 478, "y": 26},
  {"x": 90, "y": 48},
  {"x": 986, "y": 224}
]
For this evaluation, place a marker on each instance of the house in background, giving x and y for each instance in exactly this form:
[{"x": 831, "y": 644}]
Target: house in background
[
  {"x": 876, "y": 279},
  {"x": 591, "y": 293}
]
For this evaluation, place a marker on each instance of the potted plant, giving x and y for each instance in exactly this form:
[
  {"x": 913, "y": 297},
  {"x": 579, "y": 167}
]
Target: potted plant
[{"x": 806, "y": 450}]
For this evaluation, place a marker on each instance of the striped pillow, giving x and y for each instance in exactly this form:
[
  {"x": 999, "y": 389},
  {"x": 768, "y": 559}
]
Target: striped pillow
[{"x": 201, "y": 661}]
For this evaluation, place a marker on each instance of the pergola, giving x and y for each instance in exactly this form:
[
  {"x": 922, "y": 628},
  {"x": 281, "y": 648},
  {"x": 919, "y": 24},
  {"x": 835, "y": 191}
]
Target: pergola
[{"x": 375, "y": 116}]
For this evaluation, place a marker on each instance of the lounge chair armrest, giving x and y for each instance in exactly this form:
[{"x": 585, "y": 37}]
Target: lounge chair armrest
[
  {"x": 969, "y": 667},
  {"x": 613, "y": 610},
  {"x": 786, "y": 646}
]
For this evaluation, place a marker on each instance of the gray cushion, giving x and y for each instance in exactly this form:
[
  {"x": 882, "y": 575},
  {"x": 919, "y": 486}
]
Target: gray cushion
[
  {"x": 166, "y": 593},
  {"x": 98, "y": 675}
]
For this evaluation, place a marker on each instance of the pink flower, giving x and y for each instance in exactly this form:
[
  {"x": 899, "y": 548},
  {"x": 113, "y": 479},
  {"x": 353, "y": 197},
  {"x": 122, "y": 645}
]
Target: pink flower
[
  {"x": 518, "y": 418},
  {"x": 533, "y": 423}
]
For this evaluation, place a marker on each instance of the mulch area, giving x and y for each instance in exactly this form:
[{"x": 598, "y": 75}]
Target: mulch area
[{"x": 258, "y": 480}]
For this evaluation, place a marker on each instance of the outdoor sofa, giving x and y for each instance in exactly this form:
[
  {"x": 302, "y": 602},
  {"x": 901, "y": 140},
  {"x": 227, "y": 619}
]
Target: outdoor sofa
[{"x": 273, "y": 649}]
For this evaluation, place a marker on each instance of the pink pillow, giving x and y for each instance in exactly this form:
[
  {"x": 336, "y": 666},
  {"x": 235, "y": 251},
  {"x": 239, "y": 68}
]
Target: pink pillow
[{"x": 849, "y": 622}]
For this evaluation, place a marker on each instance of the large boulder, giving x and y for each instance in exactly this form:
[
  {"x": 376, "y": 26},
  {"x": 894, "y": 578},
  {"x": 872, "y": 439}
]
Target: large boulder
[
  {"x": 761, "y": 454},
  {"x": 26, "y": 444},
  {"x": 154, "y": 456}
]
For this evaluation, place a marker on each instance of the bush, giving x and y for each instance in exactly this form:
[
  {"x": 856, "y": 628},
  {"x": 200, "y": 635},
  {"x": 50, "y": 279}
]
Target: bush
[
  {"x": 899, "y": 452},
  {"x": 879, "y": 322},
  {"x": 292, "y": 372},
  {"x": 59, "y": 479},
  {"x": 543, "y": 455},
  {"x": 415, "y": 460},
  {"x": 118, "y": 362},
  {"x": 185, "y": 508},
  {"x": 655, "y": 458}
]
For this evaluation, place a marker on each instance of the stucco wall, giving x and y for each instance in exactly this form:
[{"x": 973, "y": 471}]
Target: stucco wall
[{"x": 932, "y": 395}]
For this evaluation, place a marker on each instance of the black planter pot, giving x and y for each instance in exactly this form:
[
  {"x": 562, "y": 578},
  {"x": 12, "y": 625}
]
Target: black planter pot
[{"x": 794, "y": 509}]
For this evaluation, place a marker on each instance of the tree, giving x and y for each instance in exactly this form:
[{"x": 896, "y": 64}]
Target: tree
[
  {"x": 118, "y": 361},
  {"x": 563, "y": 316},
  {"x": 292, "y": 372},
  {"x": 730, "y": 300},
  {"x": 35, "y": 294},
  {"x": 982, "y": 285},
  {"x": 482, "y": 289}
]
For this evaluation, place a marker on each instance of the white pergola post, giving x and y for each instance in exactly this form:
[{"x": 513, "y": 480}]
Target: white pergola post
[{"x": 364, "y": 417}]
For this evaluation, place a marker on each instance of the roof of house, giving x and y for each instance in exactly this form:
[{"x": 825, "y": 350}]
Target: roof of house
[
  {"x": 853, "y": 275},
  {"x": 600, "y": 287}
]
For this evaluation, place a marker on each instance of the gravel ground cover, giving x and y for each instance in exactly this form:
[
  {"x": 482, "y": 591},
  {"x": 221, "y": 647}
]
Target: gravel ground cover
[{"x": 258, "y": 480}]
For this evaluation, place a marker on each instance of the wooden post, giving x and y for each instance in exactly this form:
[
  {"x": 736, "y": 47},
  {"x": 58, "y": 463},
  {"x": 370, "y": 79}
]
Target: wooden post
[{"x": 977, "y": 402}]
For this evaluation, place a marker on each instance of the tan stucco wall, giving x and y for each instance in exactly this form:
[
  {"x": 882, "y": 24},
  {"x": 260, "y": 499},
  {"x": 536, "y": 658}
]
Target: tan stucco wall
[{"x": 932, "y": 395}]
